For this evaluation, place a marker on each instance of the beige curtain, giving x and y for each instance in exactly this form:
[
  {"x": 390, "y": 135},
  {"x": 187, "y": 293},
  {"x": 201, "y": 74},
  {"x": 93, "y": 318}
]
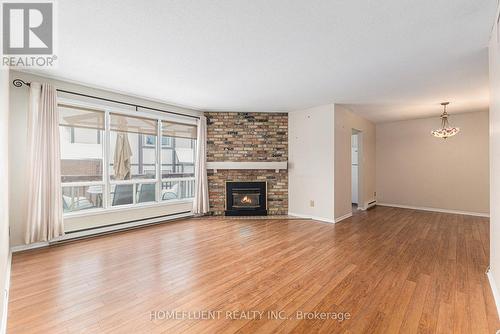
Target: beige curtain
[
  {"x": 44, "y": 197},
  {"x": 200, "y": 203}
]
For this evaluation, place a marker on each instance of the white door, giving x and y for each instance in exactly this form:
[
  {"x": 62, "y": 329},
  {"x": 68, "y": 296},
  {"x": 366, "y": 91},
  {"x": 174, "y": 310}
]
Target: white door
[
  {"x": 354, "y": 173},
  {"x": 354, "y": 155}
]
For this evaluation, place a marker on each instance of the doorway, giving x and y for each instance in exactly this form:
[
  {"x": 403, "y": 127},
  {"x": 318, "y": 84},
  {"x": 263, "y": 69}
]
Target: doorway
[{"x": 356, "y": 161}]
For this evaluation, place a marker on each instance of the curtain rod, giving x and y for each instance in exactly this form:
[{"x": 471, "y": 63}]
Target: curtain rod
[{"x": 20, "y": 83}]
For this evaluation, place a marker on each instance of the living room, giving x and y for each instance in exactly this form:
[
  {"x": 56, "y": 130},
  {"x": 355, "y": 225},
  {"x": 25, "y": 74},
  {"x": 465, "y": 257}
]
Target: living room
[{"x": 249, "y": 167}]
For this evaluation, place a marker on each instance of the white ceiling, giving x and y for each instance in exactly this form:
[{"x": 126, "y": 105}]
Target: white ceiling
[{"x": 388, "y": 59}]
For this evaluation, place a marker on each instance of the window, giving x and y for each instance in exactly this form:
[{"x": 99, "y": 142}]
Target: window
[
  {"x": 177, "y": 156},
  {"x": 81, "y": 157},
  {"x": 138, "y": 171},
  {"x": 132, "y": 158},
  {"x": 150, "y": 140},
  {"x": 127, "y": 144},
  {"x": 76, "y": 198}
]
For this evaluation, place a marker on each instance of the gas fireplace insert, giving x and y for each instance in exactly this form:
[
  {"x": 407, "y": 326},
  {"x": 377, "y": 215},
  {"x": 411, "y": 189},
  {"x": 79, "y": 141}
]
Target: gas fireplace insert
[{"x": 246, "y": 198}]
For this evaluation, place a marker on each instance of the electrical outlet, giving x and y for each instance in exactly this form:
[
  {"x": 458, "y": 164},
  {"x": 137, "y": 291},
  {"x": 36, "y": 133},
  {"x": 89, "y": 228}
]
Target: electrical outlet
[{"x": 311, "y": 203}]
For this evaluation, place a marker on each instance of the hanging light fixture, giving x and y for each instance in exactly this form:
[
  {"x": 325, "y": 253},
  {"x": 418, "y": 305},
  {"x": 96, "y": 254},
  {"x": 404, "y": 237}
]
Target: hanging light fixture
[{"x": 446, "y": 130}]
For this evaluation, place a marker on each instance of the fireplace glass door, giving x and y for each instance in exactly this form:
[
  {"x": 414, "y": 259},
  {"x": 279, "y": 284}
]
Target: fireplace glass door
[{"x": 246, "y": 200}]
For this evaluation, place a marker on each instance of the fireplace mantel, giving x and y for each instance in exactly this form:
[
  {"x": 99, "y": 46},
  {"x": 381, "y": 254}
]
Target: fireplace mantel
[{"x": 276, "y": 165}]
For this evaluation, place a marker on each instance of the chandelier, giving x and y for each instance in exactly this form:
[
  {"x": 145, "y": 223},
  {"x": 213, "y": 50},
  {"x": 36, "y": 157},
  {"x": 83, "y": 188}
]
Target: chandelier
[{"x": 446, "y": 130}]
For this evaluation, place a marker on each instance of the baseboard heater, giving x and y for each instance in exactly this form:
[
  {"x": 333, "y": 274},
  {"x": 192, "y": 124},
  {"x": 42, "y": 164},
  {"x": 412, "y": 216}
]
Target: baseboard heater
[
  {"x": 120, "y": 227},
  {"x": 104, "y": 230},
  {"x": 371, "y": 204}
]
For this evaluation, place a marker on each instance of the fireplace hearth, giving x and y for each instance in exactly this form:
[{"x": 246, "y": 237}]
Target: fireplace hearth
[{"x": 246, "y": 198}]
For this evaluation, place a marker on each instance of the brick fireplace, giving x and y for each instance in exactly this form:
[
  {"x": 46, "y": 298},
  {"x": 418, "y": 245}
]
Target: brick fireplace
[{"x": 248, "y": 137}]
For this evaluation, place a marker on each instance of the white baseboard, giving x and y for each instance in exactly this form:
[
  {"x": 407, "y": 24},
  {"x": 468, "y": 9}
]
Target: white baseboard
[
  {"x": 322, "y": 219},
  {"x": 347, "y": 215},
  {"x": 100, "y": 230},
  {"x": 5, "y": 296},
  {"x": 423, "y": 208},
  {"x": 494, "y": 290}
]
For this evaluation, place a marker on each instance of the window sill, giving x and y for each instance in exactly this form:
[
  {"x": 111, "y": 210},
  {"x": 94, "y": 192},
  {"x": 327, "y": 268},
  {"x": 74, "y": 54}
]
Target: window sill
[{"x": 121, "y": 208}]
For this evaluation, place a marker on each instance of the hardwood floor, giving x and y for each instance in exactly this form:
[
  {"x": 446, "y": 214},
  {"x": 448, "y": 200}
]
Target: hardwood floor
[{"x": 392, "y": 270}]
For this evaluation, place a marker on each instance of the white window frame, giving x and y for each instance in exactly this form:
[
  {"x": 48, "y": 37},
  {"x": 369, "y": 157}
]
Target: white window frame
[{"x": 106, "y": 182}]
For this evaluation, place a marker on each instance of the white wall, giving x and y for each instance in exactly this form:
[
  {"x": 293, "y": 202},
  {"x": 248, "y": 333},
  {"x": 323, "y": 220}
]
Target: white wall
[
  {"x": 311, "y": 162},
  {"x": 495, "y": 160},
  {"x": 345, "y": 122},
  {"x": 4, "y": 191},
  {"x": 17, "y": 158},
  {"x": 416, "y": 169}
]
